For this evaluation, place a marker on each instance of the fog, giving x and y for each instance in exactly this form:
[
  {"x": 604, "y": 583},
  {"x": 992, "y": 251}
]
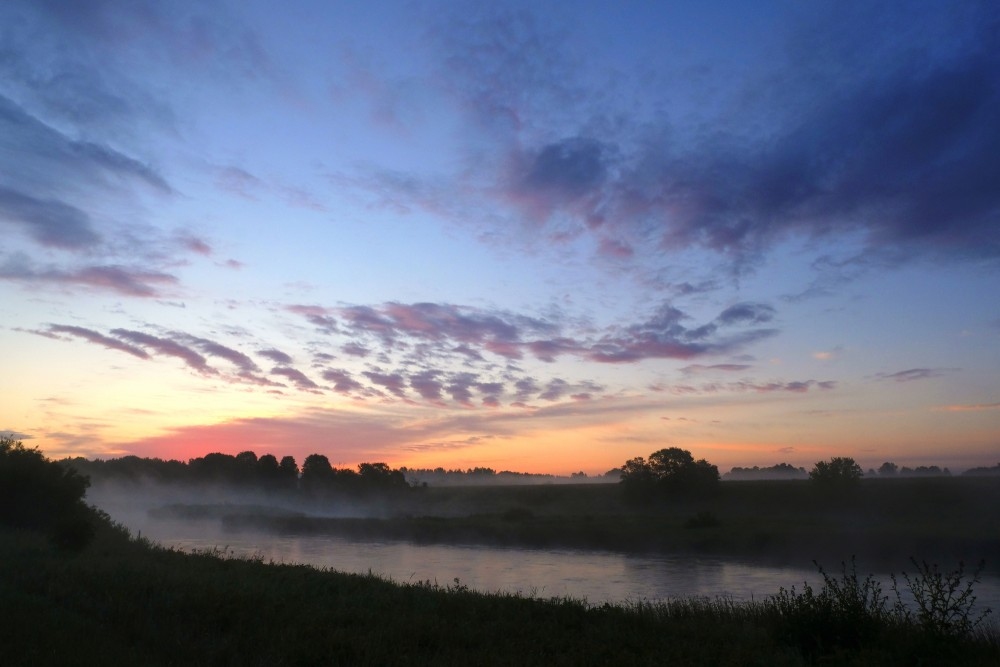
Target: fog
[{"x": 199, "y": 518}]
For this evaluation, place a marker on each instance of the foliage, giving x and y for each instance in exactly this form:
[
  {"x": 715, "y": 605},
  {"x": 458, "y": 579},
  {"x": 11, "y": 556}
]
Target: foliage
[
  {"x": 846, "y": 612},
  {"x": 778, "y": 471},
  {"x": 888, "y": 469},
  {"x": 945, "y": 602},
  {"x": 840, "y": 471},
  {"x": 672, "y": 470},
  {"x": 40, "y": 494}
]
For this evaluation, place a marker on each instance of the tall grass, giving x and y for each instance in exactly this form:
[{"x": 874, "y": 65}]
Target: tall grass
[{"x": 127, "y": 601}]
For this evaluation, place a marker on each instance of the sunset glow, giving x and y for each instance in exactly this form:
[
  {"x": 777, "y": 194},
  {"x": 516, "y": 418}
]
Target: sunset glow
[{"x": 539, "y": 237}]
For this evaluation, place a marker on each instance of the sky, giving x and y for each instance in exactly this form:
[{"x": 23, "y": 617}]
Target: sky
[{"x": 539, "y": 237}]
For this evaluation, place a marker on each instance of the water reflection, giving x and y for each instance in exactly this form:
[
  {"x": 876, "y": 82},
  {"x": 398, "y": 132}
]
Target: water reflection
[{"x": 597, "y": 576}]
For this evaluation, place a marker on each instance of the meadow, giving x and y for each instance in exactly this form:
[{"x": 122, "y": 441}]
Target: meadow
[{"x": 123, "y": 600}]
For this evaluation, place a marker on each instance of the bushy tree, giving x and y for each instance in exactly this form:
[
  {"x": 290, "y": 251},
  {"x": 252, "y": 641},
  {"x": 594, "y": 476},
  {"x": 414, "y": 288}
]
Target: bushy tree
[
  {"x": 380, "y": 476},
  {"x": 671, "y": 470},
  {"x": 40, "y": 494},
  {"x": 888, "y": 469},
  {"x": 317, "y": 473},
  {"x": 840, "y": 471}
]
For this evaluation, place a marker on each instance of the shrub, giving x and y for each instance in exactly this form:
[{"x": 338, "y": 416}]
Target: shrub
[
  {"x": 39, "y": 494},
  {"x": 945, "y": 603},
  {"x": 846, "y": 613}
]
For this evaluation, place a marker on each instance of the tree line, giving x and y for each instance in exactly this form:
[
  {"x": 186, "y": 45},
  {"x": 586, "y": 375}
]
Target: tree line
[
  {"x": 245, "y": 470},
  {"x": 674, "y": 471}
]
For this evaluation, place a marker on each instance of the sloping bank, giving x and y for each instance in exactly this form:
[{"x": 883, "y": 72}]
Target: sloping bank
[{"x": 126, "y": 601}]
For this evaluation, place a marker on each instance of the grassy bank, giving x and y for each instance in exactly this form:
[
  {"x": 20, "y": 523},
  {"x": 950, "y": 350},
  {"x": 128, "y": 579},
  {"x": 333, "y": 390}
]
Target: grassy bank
[{"x": 124, "y": 601}]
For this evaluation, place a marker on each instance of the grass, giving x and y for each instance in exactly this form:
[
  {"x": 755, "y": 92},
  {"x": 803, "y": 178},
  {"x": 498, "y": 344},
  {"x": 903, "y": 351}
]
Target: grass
[{"x": 126, "y": 601}]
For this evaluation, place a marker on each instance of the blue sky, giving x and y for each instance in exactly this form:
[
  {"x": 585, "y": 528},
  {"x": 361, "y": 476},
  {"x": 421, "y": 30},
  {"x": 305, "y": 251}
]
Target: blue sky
[{"x": 535, "y": 236}]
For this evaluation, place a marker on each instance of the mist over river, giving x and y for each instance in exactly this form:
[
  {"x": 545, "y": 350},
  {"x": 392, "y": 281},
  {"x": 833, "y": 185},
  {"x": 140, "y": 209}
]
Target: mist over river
[{"x": 595, "y": 576}]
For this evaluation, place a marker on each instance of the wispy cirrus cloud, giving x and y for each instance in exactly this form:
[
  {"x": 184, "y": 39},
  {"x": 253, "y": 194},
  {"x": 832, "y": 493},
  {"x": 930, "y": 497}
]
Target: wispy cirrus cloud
[
  {"x": 122, "y": 280},
  {"x": 470, "y": 332},
  {"x": 969, "y": 407},
  {"x": 297, "y": 377},
  {"x": 276, "y": 356},
  {"x": 166, "y": 347},
  {"x": 694, "y": 369},
  {"x": 911, "y": 374},
  {"x": 97, "y": 338}
]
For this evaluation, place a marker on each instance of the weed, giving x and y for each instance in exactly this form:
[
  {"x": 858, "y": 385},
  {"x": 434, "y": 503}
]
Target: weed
[{"x": 945, "y": 602}]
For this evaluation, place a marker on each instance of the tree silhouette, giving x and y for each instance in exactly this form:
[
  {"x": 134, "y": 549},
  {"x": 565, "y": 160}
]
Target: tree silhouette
[
  {"x": 888, "y": 469},
  {"x": 838, "y": 472},
  {"x": 40, "y": 494},
  {"x": 672, "y": 470}
]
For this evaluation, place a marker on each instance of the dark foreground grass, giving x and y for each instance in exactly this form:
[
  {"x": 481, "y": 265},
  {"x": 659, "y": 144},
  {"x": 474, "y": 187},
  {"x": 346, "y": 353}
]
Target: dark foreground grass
[{"x": 124, "y": 601}]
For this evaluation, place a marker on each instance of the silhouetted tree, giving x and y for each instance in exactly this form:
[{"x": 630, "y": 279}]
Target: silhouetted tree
[
  {"x": 380, "y": 477},
  {"x": 317, "y": 473},
  {"x": 217, "y": 467},
  {"x": 672, "y": 470},
  {"x": 888, "y": 469},
  {"x": 268, "y": 472},
  {"x": 289, "y": 472},
  {"x": 840, "y": 471},
  {"x": 40, "y": 494}
]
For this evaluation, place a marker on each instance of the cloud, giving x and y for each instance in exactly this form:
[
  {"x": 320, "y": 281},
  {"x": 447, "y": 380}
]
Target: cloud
[
  {"x": 317, "y": 315},
  {"x": 427, "y": 385},
  {"x": 166, "y": 347},
  {"x": 746, "y": 313},
  {"x": 49, "y": 222},
  {"x": 297, "y": 377},
  {"x": 98, "y": 339},
  {"x": 342, "y": 381},
  {"x": 560, "y": 175},
  {"x": 394, "y": 382},
  {"x": 126, "y": 281},
  {"x": 912, "y": 374},
  {"x": 238, "y": 359},
  {"x": 276, "y": 355},
  {"x": 355, "y": 350},
  {"x": 447, "y": 330},
  {"x": 890, "y": 147},
  {"x": 554, "y": 390},
  {"x": 795, "y": 387},
  {"x": 196, "y": 245},
  {"x": 693, "y": 369},
  {"x": 969, "y": 407},
  {"x": 664, "y": 336}
]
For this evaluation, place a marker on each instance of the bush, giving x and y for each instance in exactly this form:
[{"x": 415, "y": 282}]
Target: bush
[
  {"x": 39, "y": 494},
  {"x": 846, "y": 613},
  {"x": 944, "y": 601}
]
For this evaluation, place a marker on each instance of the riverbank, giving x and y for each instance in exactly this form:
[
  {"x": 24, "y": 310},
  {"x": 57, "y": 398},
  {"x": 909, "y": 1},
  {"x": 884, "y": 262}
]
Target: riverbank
[
  {"x": 883, "y": 523},
  {"x": 126, "y": 601}
]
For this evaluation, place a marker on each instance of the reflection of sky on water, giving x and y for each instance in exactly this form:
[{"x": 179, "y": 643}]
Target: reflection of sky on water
[{"x": 596, "y": 576}]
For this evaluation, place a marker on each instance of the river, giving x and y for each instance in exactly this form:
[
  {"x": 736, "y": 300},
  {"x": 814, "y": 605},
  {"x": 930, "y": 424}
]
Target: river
[{"x": 594, "y": 576}]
